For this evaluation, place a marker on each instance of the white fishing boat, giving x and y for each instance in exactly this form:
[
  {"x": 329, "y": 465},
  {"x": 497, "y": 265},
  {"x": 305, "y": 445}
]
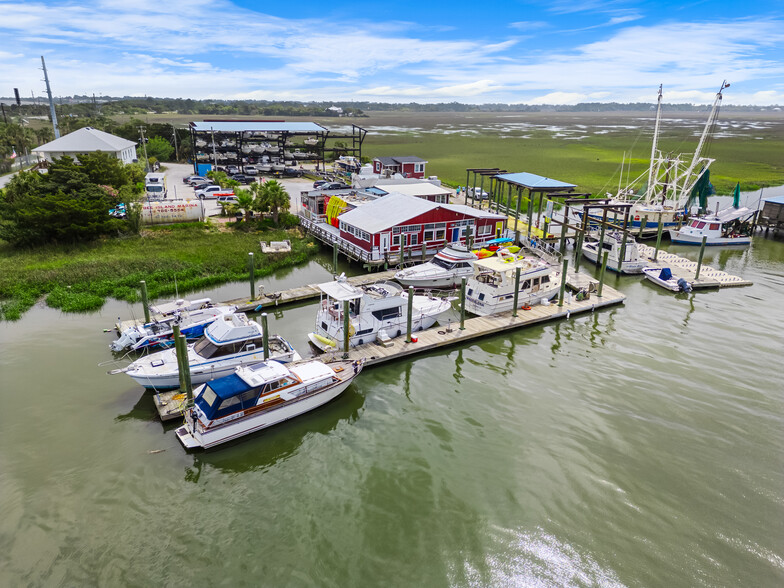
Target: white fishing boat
[
  {"x": 445, "y": 270},
  {"x": 380, "y": 308},
  {"x": 491, "y": 289},
  {"x": 231, "y": 341},
  {"x": 158, "y": 333},
  {"x": 259, "y": 396},
  {"x": 662, "y": 193},
  {"x": 613, "y": 243},
  {"x": 731, "y": 226},
  {"x": 663, "y": 277}
]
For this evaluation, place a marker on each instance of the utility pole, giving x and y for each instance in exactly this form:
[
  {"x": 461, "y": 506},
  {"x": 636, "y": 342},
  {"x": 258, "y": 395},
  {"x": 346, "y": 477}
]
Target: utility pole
[
  {"x": 176, "y": 149},
  {"x": 144, "y": 148},
  {"x": 51, "y": 102}
]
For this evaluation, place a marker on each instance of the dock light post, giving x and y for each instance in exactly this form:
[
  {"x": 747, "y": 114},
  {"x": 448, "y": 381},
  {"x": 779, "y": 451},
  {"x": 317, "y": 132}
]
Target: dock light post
[
  {"x": 265, "y": 335},
  {"x": 516, "y": 292},
  {"x": 642, "y": 225},
  {"x": 699, "y": 260},
  {"x": 658, "y": 238},
  {"x": 601, "y": 273},
  {"x": 462, "y": 302},
  {"x": 410, "y": 313},
  {"x": 564, "y": 275},
  {"x": 623, "y": 252},
  {"x": 251, "y": 270},
  {"x": 345, "y": 329},
  {"x": 145, "y": 303}
]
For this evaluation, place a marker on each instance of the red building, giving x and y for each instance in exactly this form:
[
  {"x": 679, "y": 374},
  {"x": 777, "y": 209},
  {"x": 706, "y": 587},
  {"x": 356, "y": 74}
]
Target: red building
[
  {"x": 377, "y": 229},
  {"x": 409, "y": 166}
]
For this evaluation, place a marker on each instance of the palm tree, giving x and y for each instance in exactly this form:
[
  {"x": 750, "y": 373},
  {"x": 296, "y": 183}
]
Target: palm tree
[
  {"x": 245, "y": 201},
  {"x": 274, "y": 196}
]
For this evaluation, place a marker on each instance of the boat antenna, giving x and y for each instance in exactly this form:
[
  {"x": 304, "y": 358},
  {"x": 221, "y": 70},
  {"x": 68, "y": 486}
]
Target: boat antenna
[
  {"x": 176, "y": 290},
  {"x": 649, "y": 194},
  {"x": 620, "y": 178}
]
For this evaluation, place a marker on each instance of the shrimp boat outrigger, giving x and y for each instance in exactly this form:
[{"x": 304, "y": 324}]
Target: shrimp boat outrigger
[{"x": 661, "y": 194}]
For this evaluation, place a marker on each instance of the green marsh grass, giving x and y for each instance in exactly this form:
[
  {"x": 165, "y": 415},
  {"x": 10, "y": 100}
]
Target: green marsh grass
[{"x": 80, "y": 279}]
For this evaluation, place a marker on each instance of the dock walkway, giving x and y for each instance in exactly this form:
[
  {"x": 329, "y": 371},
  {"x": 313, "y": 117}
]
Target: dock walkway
[
  {"x": 170, "y": 404},
  {"x": 687, "y": 269}
]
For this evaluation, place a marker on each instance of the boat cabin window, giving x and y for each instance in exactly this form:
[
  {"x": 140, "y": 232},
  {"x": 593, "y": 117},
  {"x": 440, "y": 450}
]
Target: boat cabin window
[
  {"x": 700, "y": 225},
  {"x": 607, "y": 246},
  {"x": 714, "y": 227},
  {"x": 208, "y": 396},
  {"x": 525, "y": 285},
  {"x": 386, "y": 314},
  {"x": 209, "y": 350},
  {"x": 275, "y": 385},
  {"x": 447, "y": 265},
  {"x": 545, "y": 279},
  {"x": 693, "y": 223}
]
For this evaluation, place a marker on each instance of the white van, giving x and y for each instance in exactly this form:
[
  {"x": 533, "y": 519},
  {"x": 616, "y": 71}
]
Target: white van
[{"x": 155, "y": 186}]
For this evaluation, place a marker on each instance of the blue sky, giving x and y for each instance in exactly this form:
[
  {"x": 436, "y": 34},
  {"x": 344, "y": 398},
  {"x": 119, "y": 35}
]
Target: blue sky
[{"x": 523, "y": 51}]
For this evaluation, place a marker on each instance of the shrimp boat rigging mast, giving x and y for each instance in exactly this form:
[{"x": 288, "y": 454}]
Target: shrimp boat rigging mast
[{"x": 669, "y": 181}]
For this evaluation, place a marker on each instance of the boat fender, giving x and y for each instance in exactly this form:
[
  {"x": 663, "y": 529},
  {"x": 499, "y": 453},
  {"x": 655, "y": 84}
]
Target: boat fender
[{"x": 257, "y": 309}]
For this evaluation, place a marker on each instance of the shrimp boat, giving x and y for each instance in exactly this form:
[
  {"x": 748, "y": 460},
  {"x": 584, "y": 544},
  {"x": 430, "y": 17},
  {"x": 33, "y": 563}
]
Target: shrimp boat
[
  {"x": 159, "y": 332},
  {"x": 731, "y": 226},
  {"x": 613, "y": 243},
  {"x": 261, "y": 395},
  {"x": 491, "y": 289},
  {"x": 231, "y": 341},
  {"x": 662, "y": 193},
  {"x": 377, "y": 310},
  {"x": 445, "y": 270}
]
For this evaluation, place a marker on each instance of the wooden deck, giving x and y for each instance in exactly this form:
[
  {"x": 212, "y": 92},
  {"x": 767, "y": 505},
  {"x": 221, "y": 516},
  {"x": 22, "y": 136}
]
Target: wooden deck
[
  {"x": 170, "y": 404},
  {"x": 685, "y": 268}
]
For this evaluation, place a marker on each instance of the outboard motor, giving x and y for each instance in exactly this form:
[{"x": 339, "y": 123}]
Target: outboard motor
[
  {"x": 684, "y": 285},
  {"x": 128, "y": 337}
]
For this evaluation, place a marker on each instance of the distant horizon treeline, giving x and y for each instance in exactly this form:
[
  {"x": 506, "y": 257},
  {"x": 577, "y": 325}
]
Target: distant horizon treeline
[{"x": 110, "y": 106}]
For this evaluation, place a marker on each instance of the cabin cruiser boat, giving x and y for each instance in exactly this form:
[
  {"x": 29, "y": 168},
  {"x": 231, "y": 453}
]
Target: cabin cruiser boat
[
  {"x": 231, "y": 341},
  {"x": 491, "y": 289},
  {"x": 663, "y": 277},
  {"x": 159, "y": 332},
  {"x": 443, "y": 271},
  {"x": 731, "y": 226},
  {"x": 613, "y": 241},
  {"x": 261, "y": 395},
  {"x": 375, "y": 310}
]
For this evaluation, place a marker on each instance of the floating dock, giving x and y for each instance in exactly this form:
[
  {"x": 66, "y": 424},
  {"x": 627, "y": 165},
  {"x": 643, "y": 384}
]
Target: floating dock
[
  {"x": 687, "y": 269},
  {"x": 170, "y": 405}
]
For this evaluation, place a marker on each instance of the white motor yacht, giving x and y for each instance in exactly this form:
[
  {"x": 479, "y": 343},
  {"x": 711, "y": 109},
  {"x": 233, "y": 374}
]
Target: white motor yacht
[
  {"x": 613, "y": 242},
  {"x": 443, "y": 271},
  {"x": 731, "y": 226},
  {"x": 259, "y": 396},
  {"x": 230, "y": 342},
  {"x": 374, "y": 308},
  {"x": 491, "y": 289}
]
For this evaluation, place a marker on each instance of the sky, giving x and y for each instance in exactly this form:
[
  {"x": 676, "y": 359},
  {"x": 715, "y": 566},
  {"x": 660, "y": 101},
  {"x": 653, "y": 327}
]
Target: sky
[{"x": 509, "y": 51}]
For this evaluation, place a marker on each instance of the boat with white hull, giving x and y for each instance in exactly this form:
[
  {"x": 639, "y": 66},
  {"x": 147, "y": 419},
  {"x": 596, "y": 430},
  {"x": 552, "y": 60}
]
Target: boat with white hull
[
  {"x": 613, "y": 243},
  {"x": 491, "y": 289},
  {"x": 159, "y": 333},
  {"x": 663, "y": 277},
  {"x": 375, "y": 308},
  {"x": 731, "y": 226},
  {"x": 259, "y": 396},
  {"x": 228, "y": 343},
  {"x": 445, "y": 270}
]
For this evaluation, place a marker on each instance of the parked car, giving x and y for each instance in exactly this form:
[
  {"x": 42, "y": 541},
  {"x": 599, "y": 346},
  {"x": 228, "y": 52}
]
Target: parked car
[
  {"x": 335, "y": 186},
  {"x": 242, "y": 178},
  {"x": 227, "y": 199},
  {"x": 201, "y": 185},
  {"x": 193, "y": 179},
  {"x": 211, "y": 192},
  {"x": 478, "y": 193},
  {"x": 232, "y": 169},
  {"x": 319, "y": 183},
  {"x": 251, "y": 170}
]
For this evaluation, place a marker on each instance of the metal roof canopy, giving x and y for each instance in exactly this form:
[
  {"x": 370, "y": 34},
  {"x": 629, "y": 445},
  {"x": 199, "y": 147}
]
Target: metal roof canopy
[
  {"x": 535, "y": 183},
  {"x": 257, "y": 125}
]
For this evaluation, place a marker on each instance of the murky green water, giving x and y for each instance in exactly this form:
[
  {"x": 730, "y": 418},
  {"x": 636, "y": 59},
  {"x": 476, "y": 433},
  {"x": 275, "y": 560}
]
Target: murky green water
[{"x": 639, "y": 446}]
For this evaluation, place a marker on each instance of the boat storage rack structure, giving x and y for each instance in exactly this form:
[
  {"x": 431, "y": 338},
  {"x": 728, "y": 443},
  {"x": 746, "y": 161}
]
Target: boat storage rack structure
[{"x": 222, "y": 143}]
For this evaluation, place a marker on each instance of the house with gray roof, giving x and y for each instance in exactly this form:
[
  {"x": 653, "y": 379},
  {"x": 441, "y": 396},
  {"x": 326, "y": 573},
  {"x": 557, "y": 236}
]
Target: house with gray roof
[
  {"x": 408, "y": 166},
  {"x": 87, "y": 140}
]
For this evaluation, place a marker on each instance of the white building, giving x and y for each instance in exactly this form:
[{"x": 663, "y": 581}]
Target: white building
[{"x": 87, "y": 140}]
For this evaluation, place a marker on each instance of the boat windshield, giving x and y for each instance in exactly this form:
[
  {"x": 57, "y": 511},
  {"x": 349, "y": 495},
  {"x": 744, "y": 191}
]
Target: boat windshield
[
  {"x": 447, "y": 265},
  {"x": 207, "y": 349}
]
